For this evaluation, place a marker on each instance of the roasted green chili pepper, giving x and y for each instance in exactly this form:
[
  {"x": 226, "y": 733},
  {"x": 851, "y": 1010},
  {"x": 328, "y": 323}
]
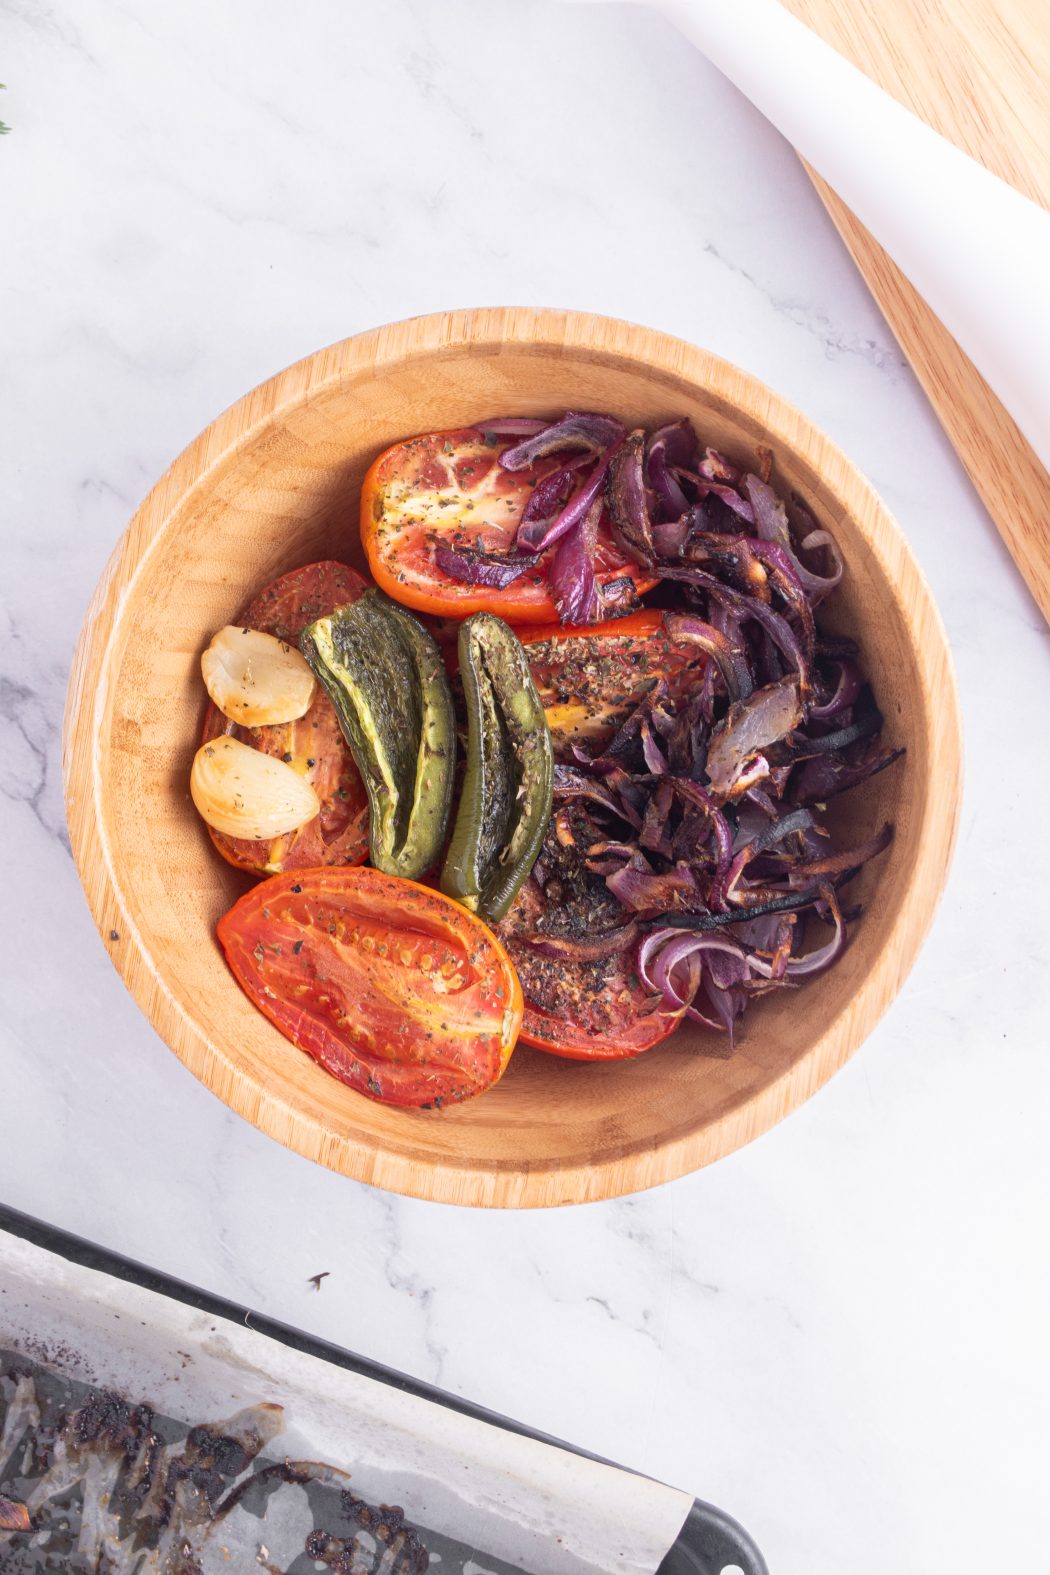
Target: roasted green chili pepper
[
  {"x": 506, "y": 799},
  {"x": 385, "y": 677}
]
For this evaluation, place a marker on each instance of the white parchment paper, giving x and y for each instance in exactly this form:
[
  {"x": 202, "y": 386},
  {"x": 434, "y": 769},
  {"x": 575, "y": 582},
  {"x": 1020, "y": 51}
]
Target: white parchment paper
[
  {"x": 530, "y": 1504},
  {"x": 974, "y": 248}
]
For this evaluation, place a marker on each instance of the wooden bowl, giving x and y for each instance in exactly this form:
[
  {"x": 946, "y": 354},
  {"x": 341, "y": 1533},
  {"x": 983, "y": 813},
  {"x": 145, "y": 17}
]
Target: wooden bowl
[{"x": 273, "y": 483}]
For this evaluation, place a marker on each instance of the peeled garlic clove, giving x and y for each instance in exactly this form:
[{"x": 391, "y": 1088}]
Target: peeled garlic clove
[
  {"x": 255, "y": 679},
  {"x": 244, "y": 793}
]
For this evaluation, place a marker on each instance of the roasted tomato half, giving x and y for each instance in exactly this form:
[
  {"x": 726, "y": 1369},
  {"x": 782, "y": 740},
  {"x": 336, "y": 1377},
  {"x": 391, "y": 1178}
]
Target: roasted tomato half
[
  {"x": 590, "y": 678},
  {"x": 314, "y": 745},
  {"x": 627, "y": 1026},
  {"x": 447, "y": 488},
  {"x": 394, "y": 989},
  {"x": 573, "y": 947}
]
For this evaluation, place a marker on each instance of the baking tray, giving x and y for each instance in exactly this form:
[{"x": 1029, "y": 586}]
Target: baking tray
[{"x": 480, "y": 1486}]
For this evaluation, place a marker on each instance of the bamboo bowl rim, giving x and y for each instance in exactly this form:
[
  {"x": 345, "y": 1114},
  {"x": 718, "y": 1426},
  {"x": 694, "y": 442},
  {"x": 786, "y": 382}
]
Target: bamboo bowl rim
[{"x": 368, "y": 355}]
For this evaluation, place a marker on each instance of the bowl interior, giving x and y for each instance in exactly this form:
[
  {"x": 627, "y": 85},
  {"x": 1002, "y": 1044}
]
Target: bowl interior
[{"x": 285, "y": 493}]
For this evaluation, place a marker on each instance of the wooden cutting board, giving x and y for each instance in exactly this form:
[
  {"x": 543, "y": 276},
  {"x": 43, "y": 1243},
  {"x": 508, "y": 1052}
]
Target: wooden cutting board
[{"x": 978, "y": 71}]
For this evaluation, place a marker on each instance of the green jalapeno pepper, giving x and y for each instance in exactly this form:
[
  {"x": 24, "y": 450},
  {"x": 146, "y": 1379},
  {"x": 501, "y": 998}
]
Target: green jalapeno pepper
[
  {"x": 505, "y": 803},
  {"x": 386, "y": 680}
]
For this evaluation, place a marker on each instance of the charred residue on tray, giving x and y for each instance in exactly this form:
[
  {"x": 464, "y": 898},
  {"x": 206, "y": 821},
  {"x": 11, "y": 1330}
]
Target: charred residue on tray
[{"x": 167, "y": 1493}]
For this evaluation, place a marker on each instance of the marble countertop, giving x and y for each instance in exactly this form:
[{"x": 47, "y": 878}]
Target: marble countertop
[{"x": 837, "y": 1333}]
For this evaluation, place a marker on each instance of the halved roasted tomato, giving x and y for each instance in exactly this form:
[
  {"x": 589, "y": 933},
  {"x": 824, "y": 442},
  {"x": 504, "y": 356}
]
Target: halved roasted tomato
[
  {"x": 591, "y": 677},
  {"x": 574, "y": 955},
  {"x": 393, "y": 988},
  {"x": 617, "y": 1041},
  {"x": 446, "y": 488},
  {"x": 314, "y": 745}
]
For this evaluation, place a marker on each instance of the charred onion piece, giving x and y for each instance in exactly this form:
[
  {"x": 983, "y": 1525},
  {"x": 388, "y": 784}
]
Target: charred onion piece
[
  {"x": 471, "y": 566},
  {"x": 716, "y": 921},
  {"x": 584, "y": 948},
  {"x": 748, "y": 727},
  {"x": 548, "y": 498},
  {"x": 776, "y": 626},
  {"x": 571, "y": 573},
  {"x": 513, "y": 426},
  {"x": 536, "y": 535},
  {"x": 771, "y": 521},
  {"x": 848, "y": 686},
  {"x": 577, "y": 429},
  {"x": 670, "y": 448},
  {"x": 628, "y": 502},
  {"x": 732, "y": 663},
  {"x": 828, "y": 775}
]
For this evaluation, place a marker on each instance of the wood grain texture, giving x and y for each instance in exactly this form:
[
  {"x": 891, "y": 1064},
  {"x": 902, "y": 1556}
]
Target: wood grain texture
[
  {"x": 979, "y": 73},
  {"x": 273, "y": 483}
]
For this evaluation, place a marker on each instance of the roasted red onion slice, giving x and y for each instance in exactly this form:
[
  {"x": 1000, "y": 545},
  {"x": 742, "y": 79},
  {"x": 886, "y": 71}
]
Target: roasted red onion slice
[
  {"x": 661, "y": 955},
  {"x": 777, "y": 627},
  {"x": 771, "y": 520},
  {"x": 826, "y": 776},
  {"x": 670, "y": 448},
  {"x": 727, "y": 654},
  {"x": 716, "y": 467},
  {"x": 794, "y": 821},
  {"x": 570, "y": 783},
  {"x": 817, "y": 870},
  {"x": 628, "y": 500},
  {"x": 682, "y": 966},
  {"x": 719, "y": 489},
  {"x": 733, "y": 560},
  {"x": 805, "y": 748},
  {"x": 670, "y": 536},
  {"x": 470, "y": 566},
  {"x": 571, "y": 573},
  {"x": 538, "y": 534},
  {"x": 588, "y": 948},
  {"x": 700, "y": 799},
  {"x": 848, "y": 686},
  {"x": 783, "y": 571},
  {"x": 768, "y": 837},
  {"x": 717, "y": 921},
  {"x": 815, "y": 961},
  {"x": 771, "y": 523},
  {"x": 549, "y": 497},
  {"x": 748, "y": 727},
  {"x": 642, "y": 890},
  {"x": 605, "y": 858},
  {"x": 576, "y": 429},
  {"x": 651, "y": 751},
  {"x": 819, "y": 586},
  {"x": 513, "y": 426}
]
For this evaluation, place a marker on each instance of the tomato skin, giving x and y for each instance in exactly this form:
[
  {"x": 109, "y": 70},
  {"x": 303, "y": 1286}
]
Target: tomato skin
[
  {"x": 344, "y": 963},
  {"x": 314, "y": 744},
  {"x": 483, "y": 505},
  {"x": 565, "y": 1039},
  {"x": 590, "y": 677}
]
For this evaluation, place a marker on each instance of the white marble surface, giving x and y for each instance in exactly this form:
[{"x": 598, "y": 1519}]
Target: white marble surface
[{"x": 838, "y": 1333}]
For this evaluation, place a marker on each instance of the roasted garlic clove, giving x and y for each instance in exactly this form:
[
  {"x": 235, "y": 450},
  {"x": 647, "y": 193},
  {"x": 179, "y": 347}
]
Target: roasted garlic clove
[
  {"x": 255, "y": 679},
  {"x": 244, "y": 793}
]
